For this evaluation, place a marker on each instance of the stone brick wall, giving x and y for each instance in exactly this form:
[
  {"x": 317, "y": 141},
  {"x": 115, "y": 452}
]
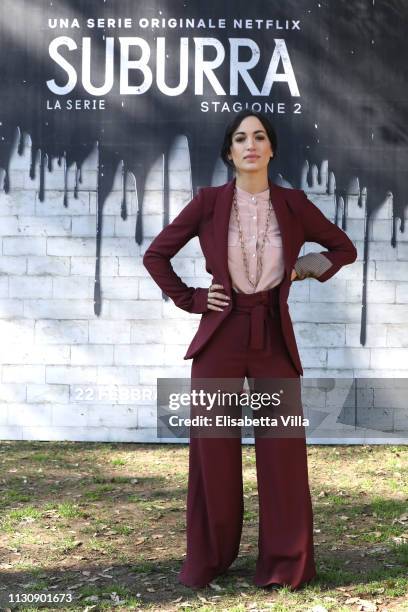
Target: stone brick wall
[{"x": 67, "y": 374}]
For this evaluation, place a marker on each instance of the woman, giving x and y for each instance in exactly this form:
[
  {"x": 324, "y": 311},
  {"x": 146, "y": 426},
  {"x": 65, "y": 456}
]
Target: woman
[{"x": 251, "y": 231}]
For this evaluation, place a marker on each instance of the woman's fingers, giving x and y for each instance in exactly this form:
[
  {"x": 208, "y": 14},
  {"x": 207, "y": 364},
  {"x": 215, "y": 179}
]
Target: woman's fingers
[
  {"x": 216, "y": 299},
  {"x": 293, "y": 274},
  {"x": 218, "y": 296},
  {"x": 217, "y": 302},
  {"x": 212, "y": 291}
]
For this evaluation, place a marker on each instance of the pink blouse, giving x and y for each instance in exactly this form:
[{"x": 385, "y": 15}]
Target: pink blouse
[{"x": 253, "y": 211}]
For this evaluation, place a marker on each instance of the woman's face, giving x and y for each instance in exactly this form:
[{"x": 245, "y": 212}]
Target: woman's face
[{"x": 251, "y": 149}]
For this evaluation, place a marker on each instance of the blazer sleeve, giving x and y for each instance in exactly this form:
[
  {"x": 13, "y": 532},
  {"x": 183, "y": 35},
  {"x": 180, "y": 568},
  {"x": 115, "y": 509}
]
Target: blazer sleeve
[
  {"x": 166, "y": 244},
  {"x": 317, "y": 228}
]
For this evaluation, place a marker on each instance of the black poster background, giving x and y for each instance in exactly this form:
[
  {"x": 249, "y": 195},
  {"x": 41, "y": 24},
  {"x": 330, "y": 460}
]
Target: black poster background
[{"x": 349, "y": 59}]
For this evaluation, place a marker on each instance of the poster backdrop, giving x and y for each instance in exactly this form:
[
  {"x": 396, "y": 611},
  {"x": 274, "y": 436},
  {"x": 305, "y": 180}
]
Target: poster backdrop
[{"x": 130, "y": 76}]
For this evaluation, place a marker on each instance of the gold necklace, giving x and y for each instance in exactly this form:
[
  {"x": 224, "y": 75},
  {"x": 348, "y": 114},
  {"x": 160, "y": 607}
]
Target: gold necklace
[{"x": 259, "y": 261}]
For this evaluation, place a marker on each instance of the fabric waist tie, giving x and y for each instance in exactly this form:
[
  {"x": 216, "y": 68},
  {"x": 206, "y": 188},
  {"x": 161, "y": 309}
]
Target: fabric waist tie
[{"x": 258, "y": 306}]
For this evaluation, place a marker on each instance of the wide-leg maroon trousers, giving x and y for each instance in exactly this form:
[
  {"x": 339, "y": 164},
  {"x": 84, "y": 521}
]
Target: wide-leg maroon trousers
[{"x": 250, "y": 344}]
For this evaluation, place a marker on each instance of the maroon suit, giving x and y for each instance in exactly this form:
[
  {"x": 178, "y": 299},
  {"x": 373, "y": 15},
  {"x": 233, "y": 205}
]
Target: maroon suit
[
  {"x": 252, "y": 337},
  {"x": 207, "y": 216}
]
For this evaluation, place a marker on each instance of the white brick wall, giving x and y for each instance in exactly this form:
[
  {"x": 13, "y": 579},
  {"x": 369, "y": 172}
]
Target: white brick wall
[{"x": 59, "y": 361}]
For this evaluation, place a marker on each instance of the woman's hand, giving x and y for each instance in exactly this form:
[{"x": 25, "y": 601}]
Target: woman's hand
[
  {"x": 293, "y": 276},
  {"x": 216, "y": 299}
]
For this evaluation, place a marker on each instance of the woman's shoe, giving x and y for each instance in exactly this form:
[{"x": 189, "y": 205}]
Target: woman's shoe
[{"x": 273, "y": 586}]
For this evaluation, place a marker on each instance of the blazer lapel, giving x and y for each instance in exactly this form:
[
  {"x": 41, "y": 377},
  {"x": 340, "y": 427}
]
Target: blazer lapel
[
  {"x": 223, "y": 205},
  {"x": 222, "y": 212}
]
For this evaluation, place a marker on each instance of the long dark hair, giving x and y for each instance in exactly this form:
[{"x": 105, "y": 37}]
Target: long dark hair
[{"x": 233, "y": 125}]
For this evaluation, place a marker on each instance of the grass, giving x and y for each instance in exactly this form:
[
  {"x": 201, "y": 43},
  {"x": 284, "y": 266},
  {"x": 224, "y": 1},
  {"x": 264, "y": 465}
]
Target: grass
[
  {"x": 106, "y": 523},
  {"x": 68, "y": 510}
]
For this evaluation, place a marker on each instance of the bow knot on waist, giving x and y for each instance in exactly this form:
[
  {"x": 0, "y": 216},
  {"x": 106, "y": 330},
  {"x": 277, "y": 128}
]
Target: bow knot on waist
[{"x": 258, "y": 306}]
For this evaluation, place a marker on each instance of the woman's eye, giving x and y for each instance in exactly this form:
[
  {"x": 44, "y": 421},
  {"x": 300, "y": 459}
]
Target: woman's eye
[{"x": 241, "y": 139}]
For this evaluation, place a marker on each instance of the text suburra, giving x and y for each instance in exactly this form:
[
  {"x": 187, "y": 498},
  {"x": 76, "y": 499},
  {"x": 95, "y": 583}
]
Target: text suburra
[{"x": 279, "y": 60}]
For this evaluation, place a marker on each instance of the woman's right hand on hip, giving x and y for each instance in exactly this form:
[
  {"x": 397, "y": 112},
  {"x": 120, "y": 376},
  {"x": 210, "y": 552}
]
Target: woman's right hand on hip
[{"x": 217, "y": 299}]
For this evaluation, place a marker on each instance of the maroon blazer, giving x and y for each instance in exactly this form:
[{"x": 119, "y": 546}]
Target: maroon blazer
[{"x": 207, "y": 216}]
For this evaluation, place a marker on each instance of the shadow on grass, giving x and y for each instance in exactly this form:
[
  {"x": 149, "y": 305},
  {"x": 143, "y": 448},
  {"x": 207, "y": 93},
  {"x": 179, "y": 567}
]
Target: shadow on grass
[
  {"x": 368, "y": 559},
  {"x": 45, "y": 469},
  {"x": 155, "y": 583}
]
